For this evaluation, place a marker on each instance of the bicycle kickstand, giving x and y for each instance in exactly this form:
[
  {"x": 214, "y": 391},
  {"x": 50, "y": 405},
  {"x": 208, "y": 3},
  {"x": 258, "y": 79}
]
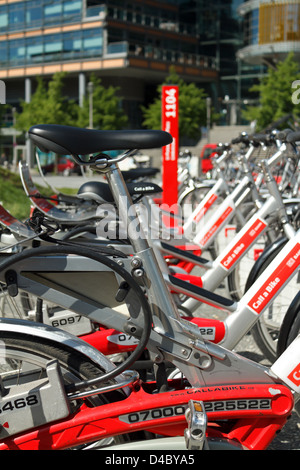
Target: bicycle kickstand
[{"x": 195, "y": 434}]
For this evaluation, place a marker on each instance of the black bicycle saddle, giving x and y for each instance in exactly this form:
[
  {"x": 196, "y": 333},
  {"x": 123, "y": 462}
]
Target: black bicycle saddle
[
  {"x": 68, "y": 140},
  {"x": 142, "y": 172}
]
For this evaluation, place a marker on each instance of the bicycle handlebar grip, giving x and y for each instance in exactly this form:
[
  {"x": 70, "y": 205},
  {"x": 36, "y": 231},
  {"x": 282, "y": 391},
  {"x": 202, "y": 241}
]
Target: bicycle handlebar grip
[
  {"x": 282, "y": 135},
  {"x": 293, "y": 137},
  {"x": 223, "y": 146},
  {"x": 237, "y": 140},
  {"x": 261, "y": 139},
  {"x": 241, "y": 139}
]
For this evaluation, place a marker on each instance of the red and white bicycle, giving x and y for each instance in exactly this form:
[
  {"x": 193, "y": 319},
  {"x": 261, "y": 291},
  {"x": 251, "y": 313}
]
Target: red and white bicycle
[{"x": 58, "y": 392}]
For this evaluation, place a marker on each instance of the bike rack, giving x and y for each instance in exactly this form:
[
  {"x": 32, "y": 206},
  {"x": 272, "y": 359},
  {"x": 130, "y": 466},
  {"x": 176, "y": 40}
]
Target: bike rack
[
  {"x": 50, "y": 210},
  {"x": 33, "y": 403},
  {"x": 195, "y": 434}
]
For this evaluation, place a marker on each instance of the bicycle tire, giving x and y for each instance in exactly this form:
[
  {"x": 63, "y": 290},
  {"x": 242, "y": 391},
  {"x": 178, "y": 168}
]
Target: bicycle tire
[
  {"x": 238, "y": 279},
  {"x": 290, "y": 327}
]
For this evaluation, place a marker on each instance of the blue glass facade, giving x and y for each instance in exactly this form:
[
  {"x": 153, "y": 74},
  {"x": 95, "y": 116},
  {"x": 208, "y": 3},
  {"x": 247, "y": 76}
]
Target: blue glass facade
[
  {"x": 80, "y": 44},
  {"x": 34, "y": 14},
  {"x": 37, "y": 48},
  {"x": 130, "y": 43}
]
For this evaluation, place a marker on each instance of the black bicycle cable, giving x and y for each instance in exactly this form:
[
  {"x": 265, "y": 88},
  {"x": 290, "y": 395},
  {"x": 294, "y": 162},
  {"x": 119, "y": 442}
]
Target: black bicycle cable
[{"x": 96, "y": 256}]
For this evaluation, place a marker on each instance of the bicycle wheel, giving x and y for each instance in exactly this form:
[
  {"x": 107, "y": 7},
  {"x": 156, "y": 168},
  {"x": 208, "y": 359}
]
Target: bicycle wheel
[
  {"x": 26, "y": 358},
  {"x": 266, "y": 330},
  {"x": 238, "y": 280},
  {"x": 14, "y": 307},
  {"x": 290, "y": 327},
  {"x": 190, "y": 200}
]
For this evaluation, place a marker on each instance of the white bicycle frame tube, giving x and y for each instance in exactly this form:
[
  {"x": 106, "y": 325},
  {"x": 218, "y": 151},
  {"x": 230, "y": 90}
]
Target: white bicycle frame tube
[{"x": 231, "y": 255}]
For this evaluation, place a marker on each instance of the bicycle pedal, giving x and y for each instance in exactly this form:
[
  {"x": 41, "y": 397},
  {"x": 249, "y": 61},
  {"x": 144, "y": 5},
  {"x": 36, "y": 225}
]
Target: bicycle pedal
[
  {"x": 195, "y": 434},
  {"x": 33, "y": 403}
]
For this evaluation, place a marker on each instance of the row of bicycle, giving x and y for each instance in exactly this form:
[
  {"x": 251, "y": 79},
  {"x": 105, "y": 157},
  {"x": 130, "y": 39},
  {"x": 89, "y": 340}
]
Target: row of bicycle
[{"x": 116, "y": 353}]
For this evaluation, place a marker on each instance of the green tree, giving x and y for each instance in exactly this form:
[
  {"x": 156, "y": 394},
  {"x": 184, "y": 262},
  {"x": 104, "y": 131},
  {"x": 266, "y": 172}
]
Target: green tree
[
  {"x": 275, "y": 94},
  {"x": 47, "y": 105},
  {"x": 3, "y": 109},
  {"x": 108, "y": 113},
  {"x": 192, "y": 107}
]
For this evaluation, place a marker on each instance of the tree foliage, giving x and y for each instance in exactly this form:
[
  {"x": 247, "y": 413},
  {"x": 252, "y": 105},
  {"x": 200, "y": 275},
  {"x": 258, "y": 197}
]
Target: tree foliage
[
  {"x": 275, "y": 94},
  {"x": 108, "y": 113},
  {"x": 48, "y": 105},
  {"x": 192, "y": 107}
]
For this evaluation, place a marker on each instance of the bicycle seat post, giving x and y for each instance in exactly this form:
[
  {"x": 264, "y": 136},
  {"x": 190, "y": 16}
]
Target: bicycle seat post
[
  {"x": 162, "y": 301},
  {"x": 126, "y": 209},
  {"x": 274, "y": 191}
]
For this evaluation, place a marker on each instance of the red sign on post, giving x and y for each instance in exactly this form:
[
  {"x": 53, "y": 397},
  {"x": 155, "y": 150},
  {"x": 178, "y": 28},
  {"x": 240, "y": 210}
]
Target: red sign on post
[{"x": 170, "y": 117}]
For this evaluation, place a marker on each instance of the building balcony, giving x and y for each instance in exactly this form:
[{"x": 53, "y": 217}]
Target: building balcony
[
  {"x": 271, "y": 30},
  {"x": 269, "y": 53}
]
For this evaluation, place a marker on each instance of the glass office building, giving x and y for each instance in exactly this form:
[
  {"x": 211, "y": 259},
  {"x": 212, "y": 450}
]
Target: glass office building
[
  {"x": 222, "y": 46},
  {"x": 127, "y": 44}
]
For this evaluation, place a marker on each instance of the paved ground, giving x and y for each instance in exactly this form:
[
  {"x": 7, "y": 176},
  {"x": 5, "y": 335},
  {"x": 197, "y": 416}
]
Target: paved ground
[
  {"x": 63, "y": 181},
  {"x": 289, "y": 437}
]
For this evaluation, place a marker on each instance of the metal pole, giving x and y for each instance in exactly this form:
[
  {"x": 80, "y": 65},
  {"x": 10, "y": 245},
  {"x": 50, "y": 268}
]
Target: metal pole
[
  {"x": 208, "y": 117},
  {"x": 90, "y": 90}
]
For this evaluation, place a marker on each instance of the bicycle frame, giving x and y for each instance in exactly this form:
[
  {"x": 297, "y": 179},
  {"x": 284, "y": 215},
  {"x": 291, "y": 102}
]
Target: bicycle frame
[
  {"x": 256, "y": 414},
  {"x": 213, "y": 330},
  {"x": 220, "y": 188}
]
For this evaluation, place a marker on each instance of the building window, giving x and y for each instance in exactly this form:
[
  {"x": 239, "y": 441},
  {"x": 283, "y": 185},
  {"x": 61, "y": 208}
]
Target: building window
[
  {"x": 3, "y": 52},
  {"x": 34, "y": 13},
  {"x": 78, "y": 44},
  {"x": 92, "y": 41},
  {"x": 3, "y": 18},
  {"x": 52, "y": 13},
  {"x": 72, "y": 45},
  {"x": 16, "y": 18},
  {"x": 16, "y": 51},
  {"x": 34, "y": 50},
  {"x": 251, "y": 27}
]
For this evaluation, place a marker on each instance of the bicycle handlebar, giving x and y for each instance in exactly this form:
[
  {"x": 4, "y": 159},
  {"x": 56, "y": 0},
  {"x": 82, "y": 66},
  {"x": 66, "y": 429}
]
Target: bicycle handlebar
[
  {"x": 282, "y": 135},
  {"x": 293, "y": 137},
  {"x": 241, "y": 139},
  {"x": 265, "y": 139}
]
